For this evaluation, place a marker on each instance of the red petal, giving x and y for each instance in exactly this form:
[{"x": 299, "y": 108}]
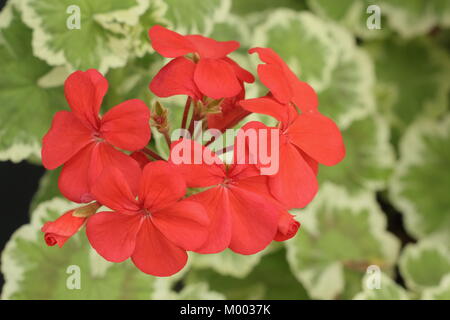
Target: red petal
[
  {"x": 73, "y": 180},
  {"x": 295, "y": 184},
  {"x": 287, "y": 227},
  {"x": 254, "y": 221},
  {"x": 112, "y": 190},
  {"x": 113, "y": 234},
  {"x": 305, "y": 98},
  {"x": 184, "y": 223},
  {"x": 156, "y": 255},
  {"x": 161, "y": 185},
  {"x": 216, "y": 79},
  {"x": 210, "y": 48},
  {"x": 105, "y": 156},
  {"x": 319, "y": 137},
  {"x": 66, "y": 137},
  {"x": 209, "y": 171},
  {"x": 84, "y": 92},
  {"x": 126, "y": 125},
  {"x": 274, "y": 78},
  {"x": 176, "y": 77},
  {"x": 215, "y": 202},
  {"x": 241, "y": 73},
  {"x": 267, "y": 106},
  {"x": 169, "y": 43},
  {"x": 269, "y": 56}
]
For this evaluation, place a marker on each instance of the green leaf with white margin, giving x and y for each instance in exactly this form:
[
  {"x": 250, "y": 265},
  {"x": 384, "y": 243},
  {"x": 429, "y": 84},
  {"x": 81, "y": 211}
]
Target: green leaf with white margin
[
  {"x": 32, "y": 270},
  {"x": 303, "y": 41},
  {"x": 341, "y": 237},
  {"x": 228, "y": 263},
  {"x": 424, "y": 264},
  {"x": 47, "y": 189},
  {"x": 369, "y": 158},
  {"x": 270, "y": 279},
  {"x": 352, "y": 14},
  {"x": 91, "y": 46},
  {"x": 416, "y": 76},
  {"x": 349, "y": 94},
  {"x": 441, "y": 292},
  {"x": 20, "y": 93},
  {"x": 388, "y": 290},
  {"x": 423, "y": 164},
  {"x": 415, "y": 17}
]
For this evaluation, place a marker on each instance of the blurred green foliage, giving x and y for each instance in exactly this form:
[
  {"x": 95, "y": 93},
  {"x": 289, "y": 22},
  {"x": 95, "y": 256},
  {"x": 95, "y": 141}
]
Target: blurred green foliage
[{"x": 388, "y": 90}]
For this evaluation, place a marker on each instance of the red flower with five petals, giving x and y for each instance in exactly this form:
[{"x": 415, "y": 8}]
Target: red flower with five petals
[
  {"x": 306, "y": 139},
  {"x": 150, "y": 223},
  {"x": 210, "y": 72},
  {"x": 85, "y": 143}
]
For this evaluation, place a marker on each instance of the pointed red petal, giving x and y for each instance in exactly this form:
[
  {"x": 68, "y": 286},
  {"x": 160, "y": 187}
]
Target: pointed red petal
[
  {"x": 126, "y": 125},
  {"x": 275, "y": 79},
  {"x": 254, "y": 221},
  {"x": 295, "y": 184},
  {"x": 184, "y": 223},
  {"x": 154, "y": 254},
  {"x": 161, "y": 185},
  {"x": 169, "y": 43},
  {"x": 113, "y": 234},
  {"x": 104, "y": 156},
  {"x": 267, "y": 106},
  {"x": 305, "y": 98},
  {"x": 210, "y": 48},
  {"x": 216, "y": 79},
  {"x": 112, "y": 189},
  {"x": 215, "y": 202},
  {"x": 84, "y": 92},
  {"x": 319, "y": 137},
  {"x": 66, "y": 137},
  {"x": 175, "y": 78},
  {"x": 241, "y": 73},
  {"x": 73, "y": 180}
]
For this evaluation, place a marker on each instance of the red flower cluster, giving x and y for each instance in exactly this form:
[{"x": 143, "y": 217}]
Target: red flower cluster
[{"x": 161, "y": 208}]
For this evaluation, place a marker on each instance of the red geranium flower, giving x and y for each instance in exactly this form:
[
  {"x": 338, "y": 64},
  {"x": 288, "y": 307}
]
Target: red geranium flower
[
  {"x": 243, "y": 214},
  {"x": 210, "y": 72},
  {"x": 305, "y": 138},
  {"x": 84, "y": 142},
  {"x": 149, "y": 223}
]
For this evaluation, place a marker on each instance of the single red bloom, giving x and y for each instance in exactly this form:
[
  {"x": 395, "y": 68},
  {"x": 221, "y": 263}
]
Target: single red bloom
[
  {"x": 306, "y": 139},
  {"x": 85, "y": 143},
  {"x": 243, "y": 214},
  {"x": 150, "y": 223},
  {"x": 210, "y": 73},
  {"x": 60, "y": 230}
]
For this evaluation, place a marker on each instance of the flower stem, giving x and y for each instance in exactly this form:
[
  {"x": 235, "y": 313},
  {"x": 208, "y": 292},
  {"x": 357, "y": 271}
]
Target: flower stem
[
  {"x": 186, "y": 112},
  {"x": 152, "y": 153}
]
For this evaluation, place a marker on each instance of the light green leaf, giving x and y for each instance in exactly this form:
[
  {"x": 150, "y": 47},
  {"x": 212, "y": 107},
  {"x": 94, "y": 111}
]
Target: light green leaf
[
  {"x": 424, "y": 264},
  {"x": 349, "y": 94},
  {"x": 249, "y": 7},
  {"x": 441, "y": 292},
  {"x": 196, "y": 291},
  {"x": 369, "y": 157},
  {"x": 341, "y": 236},
  {"x": 270, "y": 279},
  {"x": 48, "y": 188},
  {"x": 389, "y": 290},
  {"x": 303, "y": 41},
  {"x": 424, "y": 159},
  {"x": 26, "y": 109},
  {"x": 415, "y": 74},
  {"x": 228, "y": 263},
  {"x": 32, "y": 270},
  {"x": 91, "y": 46},
  {"x": 351, "y": 14},
  {"x": 415, "y": 17}
]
